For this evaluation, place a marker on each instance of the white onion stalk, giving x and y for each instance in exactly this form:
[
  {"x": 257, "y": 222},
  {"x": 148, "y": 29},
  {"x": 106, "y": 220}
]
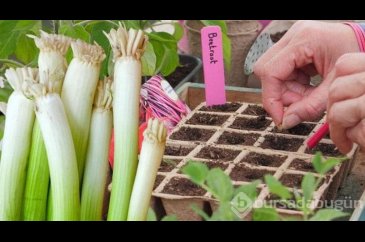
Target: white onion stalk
[
  {"x": 60, "y": 149},
  {"x": 78, "y": 93},
  {"x": 127, "y": 49},
  {"x": 153, "y": 147},
  {"x": 52, "y": 65},
  {"x": 97, "y": 166},
  {"x": 16, "y": 143}
]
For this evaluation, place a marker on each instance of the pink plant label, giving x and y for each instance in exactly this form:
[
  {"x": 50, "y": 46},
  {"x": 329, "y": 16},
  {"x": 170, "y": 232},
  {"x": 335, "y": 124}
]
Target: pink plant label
[{"x": 212, "y": 53}]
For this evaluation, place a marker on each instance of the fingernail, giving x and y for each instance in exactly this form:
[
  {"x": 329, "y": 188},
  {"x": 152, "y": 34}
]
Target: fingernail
[{"x": 290, "y": 121}]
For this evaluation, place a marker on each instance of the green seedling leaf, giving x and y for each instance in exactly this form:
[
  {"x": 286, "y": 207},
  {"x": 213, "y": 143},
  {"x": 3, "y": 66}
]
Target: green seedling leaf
[
  {"x": 200, "y": 212},
  {"x": 196, "y": 171},
  {"x": 224, "y": 213},
  {"x": 220, "y": 184},
  {"x": 75, "y": 31},
  {"x": 162, "y": 37},
  {"x": 151, "y": 215},
  {"x": 169, "y": 218},
  {"x": 276, "y": 187},
  {"x": 220, "y": 23},
  {"x": 322, "y": 167},
  {"x": 178, "y": 31},
  {"x": 265, "y": 214},
  {"x": 250, "y": 189},
  {"x": 327, "y": 215},
  {"x": 26, "y": 50},
  {"x": 308, "y": 187},
  {"x": 149, "y": 61}
]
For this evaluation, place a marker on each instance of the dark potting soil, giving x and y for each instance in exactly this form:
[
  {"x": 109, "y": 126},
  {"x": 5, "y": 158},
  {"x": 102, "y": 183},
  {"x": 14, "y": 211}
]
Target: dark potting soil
[
  {"x": 212, "y": 164},
  {"x": 192, "y": 134},
  {"x": 183, "y": 187},
  {"x": 326, "y": 149},
  {"x": 264, "y": 160},
  {"x": 259, "y": 123},
  {"x": 327, "y": 136},
  {"x": 177, "y": 151},
  {"x": 301, "y": 165},
  {"x": 168, "y": 165},
  {"x": 295, "y": 180},
  {"x": 300, "y": 129},
  {"x": 180, "y": 73},
  {"x": 207, "y": 119},
  {"x": 281, "y": 143},
  {"x": 228, "y": 107},
  {"x": 255, "y": 110},
  {"x": 277, "y": 36},
  {"x": 243, "y": 173},
  {"x": 214, "y": 153},
  {"x": 232, "y": 138},
  {"x": 159, "y": 179}
]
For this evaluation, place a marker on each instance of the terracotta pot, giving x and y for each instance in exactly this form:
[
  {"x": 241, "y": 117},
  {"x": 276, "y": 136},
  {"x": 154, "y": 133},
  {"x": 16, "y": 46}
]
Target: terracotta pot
[{"x": 242, "y": 34}]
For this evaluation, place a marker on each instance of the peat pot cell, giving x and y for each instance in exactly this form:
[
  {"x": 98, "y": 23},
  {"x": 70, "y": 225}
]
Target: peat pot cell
[
  {"x": 255, "y": 110},
  {"x": 259, "y": 123},
  {"x": 207, "y": 119},
  {"x": 281, "y": 143},
  {"x": 295, "y": 180},
  {"x": 276, "y": 202},
  {"x": 214, "y": 153},
  {"x": 158, "y": 181},
  {"x": 243, "y": 173},
  {"x": 183, "y": 187},
  {"x": 264, "y": 160},
  {"x": 300, "y": 129},
  {"x": 177, "y": 150},
  {"x": 225, "y": 108},
  {"x": 168, "y": 165},
  {"x": 232, "y": 138},
  {"x": 326, "y": 149},
  {"x": 211, "y": 165},
  {"x": 301, "y": 165},
  {"x": 192, "y": 134}
]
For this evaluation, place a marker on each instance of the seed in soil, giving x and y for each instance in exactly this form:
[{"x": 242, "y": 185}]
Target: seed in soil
[
  {"x": 168, "y": 165},
  {"x": 214, "y": 153},
  {"x": 228, "y": 107},
  {"x": 255, "y": 110},
  {"x": 232, "y": 138},
  {"x": 300, "y": 129},
  {"x": 281, "y": 143},
  {"x": 259, "y": 123},
  {"x": 183, "y": 187},
  {"x": 177, "y": 150},
  {"x": 207, "y": 119},
  {"x": 192, "y": 134},
  {"x": 301, "y": 165},
  {"x": 263, "y": 159},
  {"x": 211, "y": 165},
  {"x": 158, "y": 181},
  {"x": 326, "y": 149},
  {"x": 243, "y": 173}
]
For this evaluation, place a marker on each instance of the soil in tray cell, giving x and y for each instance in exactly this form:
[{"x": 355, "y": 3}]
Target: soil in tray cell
[
  {"x": 232, "y": 138},
  {"x": 192, "y": 134},
  {"x": 228, "y": 107},
  {"x": 214, "y": 153},
  {"x": 300, "y": 129},
  {"x": 295, "y": 180},
  {"x": 168, "y": 165},
  {"x": 263, "y": 159},
  {"x": 183, "y": 187},
  {"x": 259, "y": 123},
  {"x": 281, "y": 143},
  {"x": 177, "y": 150},
  {"x": 255, "y": 110},
  {"x": 326, "y": 149},
  {"x": 301, "y": 165},
  {"x": 243, "y": 173},
  {"x": 207, "y": 119},
  {"x": 211, "y": 165},
  {"x": 159, "y": 179}
]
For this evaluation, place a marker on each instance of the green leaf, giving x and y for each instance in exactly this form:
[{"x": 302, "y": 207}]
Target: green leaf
[
  {"x": 7, "y": 47},
  {"x": 162, "y": 37},
  {"x": 308, "y": 187},
  {"x": 178, "y": 31},
  {"x": 26, "y": 50},
  {"x": 250, "y": 189},
  {"x": 220, "y": 184},
  {"x": 76, "y": 31},
  {"x": 135, "y": 24},
  {"x": 317, "y": 162},
  {"x": 167, "y": 58},
  {"x": 276, "y": 187},
  {"x": 196, "y": 171},
  {"x": 265, "y": 214},
  {"x": 2, "y": 126},
  {"x": 5, "y": 92},
  {"x": 322, "y": 167},
  {"x": 149, "y": 61},
  {"x": 220, "y": 23},
  {"x": 200, "y": 212},
  {"x": 226, "y": 42},
  {"x": 327, "y": 215},
  {"x": 28, "y": 25},
  {"x": 169, "y": 218},
  {"x": 224, "y": 213},
  {"x": 151, "y": 215}
]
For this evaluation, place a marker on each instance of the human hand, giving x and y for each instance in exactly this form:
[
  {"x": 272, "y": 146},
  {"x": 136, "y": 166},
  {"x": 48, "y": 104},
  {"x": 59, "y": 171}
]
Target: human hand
[
  {"x": 307, "y": 49},
  {"x": 346, "y": 102}
]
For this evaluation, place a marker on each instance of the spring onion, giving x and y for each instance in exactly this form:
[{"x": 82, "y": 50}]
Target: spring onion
[
  {"x": 16, "y": 143},
  {"x": 97, "y": 166},
  {"x": 52, "y": 64},
  {"x": 153, "y": 147},
  {"x": 128, "y": 47}
]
